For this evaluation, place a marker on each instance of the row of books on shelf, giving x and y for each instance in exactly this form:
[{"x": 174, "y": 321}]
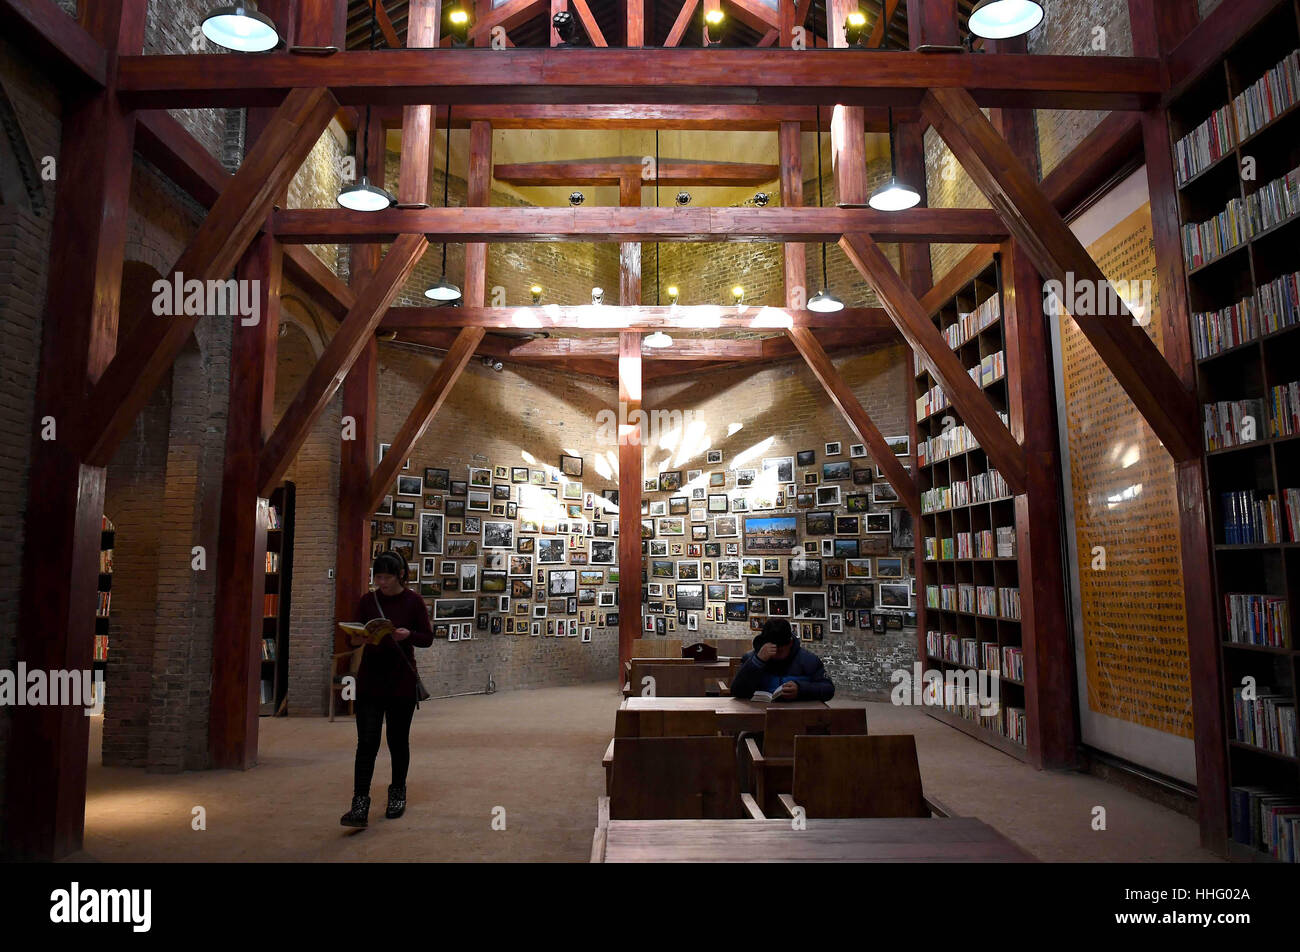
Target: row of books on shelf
[
  {"x": 101, "y": 648},
  {"x": 989, "y": 370},
  {"x": 999, "y": 543},
  {"x": 1242, "y": 219},
  {"x": 103, "y": 604},
  {"x": 270, "y": 605},
  {"x": 1267, "y": 820},
  {"x": 1258, "y": 620},
  {"x": 1249, "y": 519},
  {"x": 1284, "y": 404},
  {"x": 267, "y": 694},
  {"x": 1267, "y": 720},
  {"x": 1254, "y": 108},
  {"x": 268, "y": 649},
  {"x": 273, "y": 561},
  {"x": 988, "y": 600},
  {"x": 1273, "y": 306},
  {"x": 1231, "y": 423},
  {"x": 1268, "y": 97},
  {"x": 273, "y": 518},
  {"x": 968, "y": 325},
  {"x": 1008, "y": 661},
  {"x": 105, "y": 561},
  {"x": 982, "y": 487},
  {"x": 1008, "y": 722},
  {"x": 958, "y": 439}
]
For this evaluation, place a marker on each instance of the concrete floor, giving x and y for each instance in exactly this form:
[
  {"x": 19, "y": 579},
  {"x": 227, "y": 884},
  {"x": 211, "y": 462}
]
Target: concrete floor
[{"x": 536, "y": 754}]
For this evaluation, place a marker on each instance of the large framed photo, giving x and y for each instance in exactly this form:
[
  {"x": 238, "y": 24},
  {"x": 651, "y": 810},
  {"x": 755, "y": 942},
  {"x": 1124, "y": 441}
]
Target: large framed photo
[
  {"x": 882, "y": 492},
  {"x": 550, "y": 551},
  {"x": 431, "y": 533},
  {"x": 561, "y": 583},
  {"x": 899, "y": 445},
  {"x": 453, "y": 608},
  {"x": 783, "y": 465},
  {"x": 859, "y": 595},
  {"x": 764, "y": 585},
  {"x": 403, "y": 511},
  {"x": 810, "y": 605},
  {"x": 771, "y": 533},
  {"x": 819, "y": 523},
  {"x": 804, "y": 572},
  {"x": 836, "y": 470},
  {"x": 690, "y": 596},
  {"x": 904, "y": 534},
  {"x": 895, "y": 595},
  {"x": 670, "y": 482},
  {"x": 437, "y": 480},
  {"x": 570, "y": 465},
  {"x": 828, "y": 495},
  {"x": 410, "y": 486},
  {"x": 889, "y": 568},
  {"x": 725, "y": 527},
  {"x": 876, "y": 522},
  {"x": 604, "y": 551},
  {"x": 498, "y": 535}
]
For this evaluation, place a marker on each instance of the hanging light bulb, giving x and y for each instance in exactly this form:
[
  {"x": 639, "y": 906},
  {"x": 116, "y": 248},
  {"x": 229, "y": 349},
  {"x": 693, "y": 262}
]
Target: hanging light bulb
[
  {"x": 823, "y": 302},
  {"x": 364, "y": 197},
  {"x": 444, "y": 290},
  {"x": 1003, "y": 19},
  {"x": 893, "y": 196},
  {"x": 738, "y": 295},
  {"x": 597, "y": 296},
  {"x": 673, "y": 294},
  {"x": 241, "y": 27},
  {"x": 536, "y": 292},
  {"x": 658, "y": 339}
]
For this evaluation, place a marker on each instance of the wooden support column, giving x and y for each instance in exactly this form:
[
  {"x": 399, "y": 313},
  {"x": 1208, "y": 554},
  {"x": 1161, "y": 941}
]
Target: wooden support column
[
  {"x": 635, "y": 23},
  {"x": 1158, "y": 27},
  {"x": 848, "y": 124},
  {"x": 914, "y": 323},
  {"x": 932, "y": 23},
  {"x": 241, "y": 552},
  {"x": 479, "y": 194},
  {"x": 147, "y": 354},
  {"x": 790, "y": 147},
  {"x": 1162, "y": 399},
  {"x": 630, "y": 460},
  {"x": 322, "y": 23},
  {"x": 45, "y": 789},
  {"x": 629, "y": 252},
  {"x": 680, "y": 24},
  {"x": 1051, "y": 688}
]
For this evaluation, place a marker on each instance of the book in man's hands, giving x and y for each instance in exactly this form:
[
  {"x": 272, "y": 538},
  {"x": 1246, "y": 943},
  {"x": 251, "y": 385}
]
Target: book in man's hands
[
  {"x": 764, "y": 696},
  {"x": 374, "y": 631}
]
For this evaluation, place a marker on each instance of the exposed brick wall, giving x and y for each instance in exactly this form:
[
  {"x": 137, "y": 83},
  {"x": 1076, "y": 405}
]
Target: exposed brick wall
[
  {"x": 783, "y": 409},
  {"x": 318, "y": 182},
  {"x": 948, "y": 186}
]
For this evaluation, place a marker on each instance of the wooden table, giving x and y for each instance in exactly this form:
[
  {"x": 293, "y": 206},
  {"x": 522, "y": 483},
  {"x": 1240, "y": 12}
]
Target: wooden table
[
  {"x": 934, "y": 840},
  {"x": 734, "y": 715}
]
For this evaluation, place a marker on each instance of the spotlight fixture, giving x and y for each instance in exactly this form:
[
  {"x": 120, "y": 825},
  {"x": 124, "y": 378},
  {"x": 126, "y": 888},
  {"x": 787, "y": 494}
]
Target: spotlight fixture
[
  {"x": 362, "y": 196},
  {"x": 854, "y": 26},
  {"x": 761, "y": 199},
  {"x": 536, "y": 292},
  {"x": 565, "y": 27},
  {"x": 715, "y": 25},
  {"x": 657, "y": 339},
  {"x": 1003, "y": 19},
  {"x": 576, "y": 199},
  {"x": 597, "y": 296},
  {"x": 673, "y": 294},
  {"x": 444, "y": 290},
  {"x": 241, "y": 27},
  {"x": 738, "y": 295},
  {"x": 823, "y": 301},
  {"x": 683, "y": 198},
  {"x": 893, "y": 196},
  {"x": 497, "y": 366},
  {"x": 458, "y": 18}
]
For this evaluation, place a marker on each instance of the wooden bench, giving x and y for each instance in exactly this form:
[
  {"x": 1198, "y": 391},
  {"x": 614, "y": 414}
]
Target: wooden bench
[
  {"x": 769, "y": 768},
  {"x": 858, "y": 776},
  {"x": 657, "y": 724},
  {"x": 675, "y": 778}
]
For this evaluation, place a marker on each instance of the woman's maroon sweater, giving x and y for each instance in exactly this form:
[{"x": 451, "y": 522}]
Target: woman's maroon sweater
[{"x": 383, "y": 673}]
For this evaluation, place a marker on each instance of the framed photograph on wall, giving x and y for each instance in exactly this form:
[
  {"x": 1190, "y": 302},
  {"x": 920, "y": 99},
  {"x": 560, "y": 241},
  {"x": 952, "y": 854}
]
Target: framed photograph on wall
[
  {"x": 550, "y": 551},
  {"x": 828, "y": 495},
  {"x": 876, "y": 522},
  {"x": 436, "y": 480},
  {"x": 889, "y": 568},
  {"x": 862, "y": 477},
  {"x": 770, "y": 533},
  {"x": 899, "y": 445},
  {"x": 810, "y": 605},
  {"x": 804, "y": 572},
  {"x": 806, "y": 457},
  {"x": 671, "y": 481},
  {"x": 604, "y": 551},
  {"x": 453, "y": 608},
  {"x": 431, "y": 533},
  {"x": 498, "y": 535},
  {"x": 833, "y": 449},
  {"x": 894, "y": 595},
  {"x": 385, "y": 507},
  {"x": 403, "y": 510},
  {"x": 480, "y": 477},
  {"x": 570, "y": 465},
  {"x": 713, "y": 456},
  {"x": 480, "y": 501},
  {"x": 836, "y": 471},
  {"x": 782, "y": 465},
  {"x": 882, "y": 492},
  {"x": 857, "y": 451},
  {"x": 904, "y": 533}
]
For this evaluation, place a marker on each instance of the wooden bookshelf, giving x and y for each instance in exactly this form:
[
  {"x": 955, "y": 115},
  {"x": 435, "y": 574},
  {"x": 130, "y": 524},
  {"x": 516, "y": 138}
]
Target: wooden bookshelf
[
  {"x": 279, "y": 586},
  {"x": 1242, "y": 366},
  {"x": 104, "y": 591},
  {"x": 985, "y": 509}
]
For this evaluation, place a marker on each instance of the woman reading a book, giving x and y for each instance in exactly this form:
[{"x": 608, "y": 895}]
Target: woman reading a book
[{"x": 392, "y": 623}]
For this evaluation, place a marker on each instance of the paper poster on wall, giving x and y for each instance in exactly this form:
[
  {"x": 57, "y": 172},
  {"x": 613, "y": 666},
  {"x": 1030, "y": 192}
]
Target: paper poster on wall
[{"x": 1122, "y": 522}]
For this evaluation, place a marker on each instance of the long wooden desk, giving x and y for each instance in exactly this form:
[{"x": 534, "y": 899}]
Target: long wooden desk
[
  {"x": 951, "y": 840},
  {"x": 734, "y": 715}
]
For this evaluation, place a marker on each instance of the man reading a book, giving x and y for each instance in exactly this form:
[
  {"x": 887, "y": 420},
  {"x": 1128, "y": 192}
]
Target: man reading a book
[
  {"x": 781, "y": 667},
  {"x": 392, "y": 623}
]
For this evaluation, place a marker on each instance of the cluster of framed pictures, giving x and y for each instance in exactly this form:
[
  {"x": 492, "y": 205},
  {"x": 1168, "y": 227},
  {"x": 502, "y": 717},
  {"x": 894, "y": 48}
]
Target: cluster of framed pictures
[
  {"x": 847, "y": 553},
  {"x": 492, "y": 552}
]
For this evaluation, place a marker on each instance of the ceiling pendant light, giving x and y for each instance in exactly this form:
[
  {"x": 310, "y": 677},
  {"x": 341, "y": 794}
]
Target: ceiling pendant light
[
  {"x": 444, "y": 291},
  {"x": 1003, "y": 19},
  {"x": 362, "y": 196},
  {"x": 241, "y": 27},
  {"x": 893, "y": 196},
  {"x": 823, "y": 301},
  {"x": 658, "y": 340}
]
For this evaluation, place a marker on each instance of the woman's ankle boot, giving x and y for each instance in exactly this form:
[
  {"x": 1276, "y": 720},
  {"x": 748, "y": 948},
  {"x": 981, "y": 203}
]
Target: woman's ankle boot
[
  {"x": 396, "y": 802},
  {"x": 359, "y": 814}
]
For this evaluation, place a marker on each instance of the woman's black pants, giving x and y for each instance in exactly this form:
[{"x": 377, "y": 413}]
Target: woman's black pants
[{"x": 370, "y": 722}]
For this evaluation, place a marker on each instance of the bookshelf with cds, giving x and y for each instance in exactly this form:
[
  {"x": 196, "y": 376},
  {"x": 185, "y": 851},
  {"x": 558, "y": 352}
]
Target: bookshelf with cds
[
  {"x": 277, "y": 600},
  {"x": 1236, "y": 145},
  {"x": 969, "y": 576}
]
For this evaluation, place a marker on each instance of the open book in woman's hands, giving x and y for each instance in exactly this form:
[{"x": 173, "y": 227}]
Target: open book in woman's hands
[{"x": 374, "y": 631}]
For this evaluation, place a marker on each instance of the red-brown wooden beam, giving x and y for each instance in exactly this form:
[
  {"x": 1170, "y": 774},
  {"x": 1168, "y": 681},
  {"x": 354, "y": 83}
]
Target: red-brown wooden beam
[
  {"x": 635, "y": 22},
  {"x": 1210, "y": 40},
  {"x": 508, "y": 16},
  {"x": 932, "y": 22},
  {"x": 795, "y": 258},
  {"x": 925, "y": 339},
  {"x": 1157, "y": 28},
  {"x": 701, "y": 76},
  {"x": 683, "y": 21},
  {"x": 45, "y": 782},
  {"x": 385, "y": 24},
  {"x": 613, "y": 171},
  {"x": 1162, "y": 399},
  {"x": 859, "y": 420},
  {"x": 880, "y": 29},
  {"x": 642, "y": 318},
  {"x": 848, "y": 129},
  {"x": 960, "y": 225},
  {"x": 52, "y": 37},
  {"x": 589, "y": 23},
  {"x": 756, "y": 16},
  {"x": 629, "y": 252},
  {"x": 322, "y": 23},
  {"x": 422, "y": 414},
  {"x": 328, "y": 373},
  {"x": 146, "y": 355},
  {"x": 478, "y": 194},
  {"x": 241, "y": 552},
  {"x": 630, "y": 461}
]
